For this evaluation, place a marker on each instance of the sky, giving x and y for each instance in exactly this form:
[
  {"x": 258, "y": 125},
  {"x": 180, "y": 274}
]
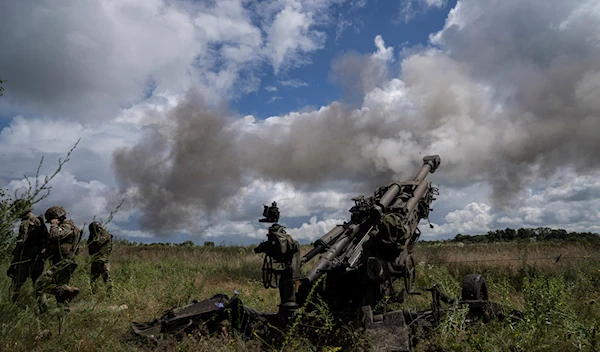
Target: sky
[{"x": 196, "y": 113}]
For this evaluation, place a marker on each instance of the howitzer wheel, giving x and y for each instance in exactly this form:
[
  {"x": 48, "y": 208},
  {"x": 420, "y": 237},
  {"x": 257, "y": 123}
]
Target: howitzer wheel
[
  {"x": 474, "y": 287},
  {"x": 267, "y": 273}
]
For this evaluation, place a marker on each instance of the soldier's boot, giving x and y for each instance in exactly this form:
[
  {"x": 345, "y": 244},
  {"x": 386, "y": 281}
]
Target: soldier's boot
[
  {"x": 70, "y": 292},
  {"x": 108, "y": 282},
  {"x": 64, "y": 295}
]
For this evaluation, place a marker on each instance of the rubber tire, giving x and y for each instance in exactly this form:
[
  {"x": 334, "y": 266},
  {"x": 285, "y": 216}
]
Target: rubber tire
[{"x": 474, "y": 287}]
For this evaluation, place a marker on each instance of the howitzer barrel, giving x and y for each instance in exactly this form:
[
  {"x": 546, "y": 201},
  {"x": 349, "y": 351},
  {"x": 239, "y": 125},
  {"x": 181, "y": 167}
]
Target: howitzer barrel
[
  {"x": 411, "y": 204},
  {"x": 335, "y": 250},
  {"x": 430, "y": 164},
  {"x": 323, "y": 243},
  {"x": 335, "y": 242}
]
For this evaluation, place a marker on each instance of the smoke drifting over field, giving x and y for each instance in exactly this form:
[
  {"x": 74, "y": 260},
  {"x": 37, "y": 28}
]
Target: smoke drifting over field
[
  {"x": 510, "y": 91},
  {"x": 542, "y": 61},
  {"x": 181, "y": 167}
]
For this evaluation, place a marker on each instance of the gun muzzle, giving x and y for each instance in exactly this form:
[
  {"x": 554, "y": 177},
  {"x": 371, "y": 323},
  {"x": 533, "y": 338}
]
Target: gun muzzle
[{"x": 430, "y": 164}]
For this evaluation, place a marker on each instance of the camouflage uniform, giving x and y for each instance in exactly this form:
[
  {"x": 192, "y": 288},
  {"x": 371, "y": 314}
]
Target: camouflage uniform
[
  {"x": 99, "y": 247},
  {"x": 388, "y": 239},
  {"x": 62, "y": 243},
  {"x": 28, "y": 259}
]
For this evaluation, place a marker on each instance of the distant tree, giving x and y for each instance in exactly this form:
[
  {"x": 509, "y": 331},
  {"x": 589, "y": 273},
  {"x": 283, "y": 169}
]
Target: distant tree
[
  {"x": 510, "y": 234},
  {"x": 1, "y": 88},
  {"x": 209, "y": 244},
  {"x": 523, "y": 234},
  {"x": 527, "y": 235},
  {"x": 123, "y": 242},
  {"x": 187, "y": 244}
]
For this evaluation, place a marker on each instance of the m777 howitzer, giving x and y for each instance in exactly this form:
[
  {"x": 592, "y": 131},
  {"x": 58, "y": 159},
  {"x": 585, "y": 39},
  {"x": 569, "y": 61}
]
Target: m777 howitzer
[{"x": 365, "y": 261}]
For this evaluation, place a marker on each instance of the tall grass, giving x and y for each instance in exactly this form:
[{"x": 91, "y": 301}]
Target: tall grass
[
  {"x": 558, "y": 296},
  {"x": 560, "y": 301}
]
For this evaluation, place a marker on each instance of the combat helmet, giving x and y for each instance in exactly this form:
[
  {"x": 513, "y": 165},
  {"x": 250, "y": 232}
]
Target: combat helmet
[
  {"x": 95, "y": 227},
  {"x": 54, "y": 212}
]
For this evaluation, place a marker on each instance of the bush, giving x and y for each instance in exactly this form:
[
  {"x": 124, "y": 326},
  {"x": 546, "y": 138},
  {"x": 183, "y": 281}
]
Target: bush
[{"x": 35, "y": 192}]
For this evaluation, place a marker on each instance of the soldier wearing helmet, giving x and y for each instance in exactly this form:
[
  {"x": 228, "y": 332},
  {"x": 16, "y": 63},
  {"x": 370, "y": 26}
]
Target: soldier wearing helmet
[
  {"x": 99, "y": 247},
  {"x": 63, "y": 238},
  {"x": 28, "y": 258}
]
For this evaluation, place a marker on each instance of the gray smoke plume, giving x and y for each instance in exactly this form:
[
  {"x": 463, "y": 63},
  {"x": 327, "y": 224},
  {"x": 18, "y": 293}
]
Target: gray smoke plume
[
  {"x": 542, "y": 59},
  {"x": 182, "y": 166},
  {"x": 510, "y": 94},
  {"x": 359, "y": 74}
]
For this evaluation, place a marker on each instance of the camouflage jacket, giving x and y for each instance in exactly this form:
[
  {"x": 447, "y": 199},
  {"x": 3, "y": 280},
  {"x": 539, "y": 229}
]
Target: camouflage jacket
[
  {"x": 100, "y": 245},
  {"x": 63, "y": 239},
  {"x": 31, "y": 240},
  {"x": 389, "y": 237}
]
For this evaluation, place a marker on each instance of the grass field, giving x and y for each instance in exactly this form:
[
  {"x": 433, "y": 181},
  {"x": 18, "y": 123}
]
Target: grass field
[{"x": 560, "y": 301}]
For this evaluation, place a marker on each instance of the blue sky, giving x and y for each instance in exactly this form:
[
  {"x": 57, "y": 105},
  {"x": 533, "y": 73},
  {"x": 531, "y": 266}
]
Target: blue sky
[
  {"x": 364, "y": 23},
  {"x": 196, "y": 113}
]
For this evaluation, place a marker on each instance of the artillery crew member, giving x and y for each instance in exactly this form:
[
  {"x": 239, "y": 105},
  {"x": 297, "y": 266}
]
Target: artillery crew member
[
  {"x": 99, "y": 247},
  {"x": 28, "y": 261},
  {"x": 62, "y": 245}
]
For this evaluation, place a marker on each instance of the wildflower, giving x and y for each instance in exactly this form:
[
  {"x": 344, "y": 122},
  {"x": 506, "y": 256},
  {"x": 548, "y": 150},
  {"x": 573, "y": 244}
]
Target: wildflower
[
  {"x": 235, "y": 292},
  {"x": 220, "y": 305}
]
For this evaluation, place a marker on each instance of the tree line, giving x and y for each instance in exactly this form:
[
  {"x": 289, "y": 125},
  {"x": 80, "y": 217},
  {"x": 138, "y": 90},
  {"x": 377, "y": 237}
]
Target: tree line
[
  {"x": 525, "y": 235},
  {"x": 506, "y": 235}
]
